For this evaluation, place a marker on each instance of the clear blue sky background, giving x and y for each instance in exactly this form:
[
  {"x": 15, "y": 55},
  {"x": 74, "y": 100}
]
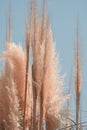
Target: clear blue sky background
[{"x": 63, "y": 20}]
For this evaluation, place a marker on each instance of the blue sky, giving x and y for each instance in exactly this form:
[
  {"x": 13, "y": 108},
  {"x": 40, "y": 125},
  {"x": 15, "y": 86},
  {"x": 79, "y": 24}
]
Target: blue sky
[{"x": 63, "y": 19}]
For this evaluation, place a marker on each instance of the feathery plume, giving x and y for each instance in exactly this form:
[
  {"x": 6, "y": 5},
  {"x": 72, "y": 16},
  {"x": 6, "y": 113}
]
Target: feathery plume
[
  {"x": 10, "y": 113},
  {"x": 51, "y": 73},
  {"x": 18, "y": 65}
]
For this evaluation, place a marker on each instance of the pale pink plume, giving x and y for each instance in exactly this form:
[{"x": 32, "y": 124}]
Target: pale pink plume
[
  {"x": 15, "y": 56},
  {"x": 10, "y": 113}
]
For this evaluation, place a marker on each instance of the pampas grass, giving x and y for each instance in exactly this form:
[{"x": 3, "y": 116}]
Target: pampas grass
[
  {"x": 10, "y": 113},
  {"x": 78, "y": 79},
  {"x": 53, "y": 88},
  {"x": 18, "y": 63},
  {"x": 45, "y": 70},
  {"x": 30, "y": 93}
]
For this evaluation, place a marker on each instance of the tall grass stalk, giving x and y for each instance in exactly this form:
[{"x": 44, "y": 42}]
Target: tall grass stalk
[
  {"x": 34, "y": 66},
  {"x": 78, "y": 78},
  {"x": 26, "y": 74},
  {"x": 43, "y": 41}
]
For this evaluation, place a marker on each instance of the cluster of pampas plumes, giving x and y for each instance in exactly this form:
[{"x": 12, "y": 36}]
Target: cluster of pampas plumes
[
  {"x": 30, "y": 94},
  {"x": 46, "y": 69}
]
